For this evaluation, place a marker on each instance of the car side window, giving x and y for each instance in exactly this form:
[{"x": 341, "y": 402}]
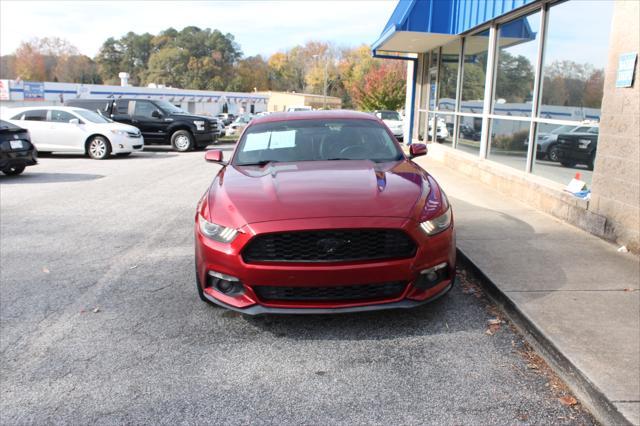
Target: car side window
[
  {"x": 58, "y": 116},
  {"x": 35, "y": 115},
  {"x": 122, "y": 107},
  {"x": 144, "y": 109}
]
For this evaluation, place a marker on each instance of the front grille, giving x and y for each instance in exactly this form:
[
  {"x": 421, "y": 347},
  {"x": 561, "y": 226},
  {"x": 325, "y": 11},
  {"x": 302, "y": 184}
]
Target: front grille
[
  {"x": 329, "y": 246},
  {"x": 137, "y": 146},
  {"x": 386, "y": 290}
]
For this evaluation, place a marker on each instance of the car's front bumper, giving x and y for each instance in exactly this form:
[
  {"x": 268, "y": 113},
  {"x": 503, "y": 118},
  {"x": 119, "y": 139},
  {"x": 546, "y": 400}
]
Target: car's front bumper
[
  {"x": 203, "y": 139},
  {"x": 227, "y": 259},
  {"x": 122, "y": 144}
]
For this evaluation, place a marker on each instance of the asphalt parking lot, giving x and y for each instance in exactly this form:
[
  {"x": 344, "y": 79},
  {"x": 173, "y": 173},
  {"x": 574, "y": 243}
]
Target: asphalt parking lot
[{"x": 100, "y": 324}]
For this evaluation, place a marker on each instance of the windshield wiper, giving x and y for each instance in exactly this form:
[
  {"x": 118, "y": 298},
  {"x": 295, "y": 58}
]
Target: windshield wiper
[
  {"x": 340, "y": 159},
  {"x": 257, "y": 163}
]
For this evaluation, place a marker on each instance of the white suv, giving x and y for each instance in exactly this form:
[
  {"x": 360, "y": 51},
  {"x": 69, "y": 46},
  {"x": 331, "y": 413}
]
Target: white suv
[{"x": 76, "y": 130}]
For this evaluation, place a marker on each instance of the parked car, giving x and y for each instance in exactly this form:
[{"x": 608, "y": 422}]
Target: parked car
[
  {"x": 16, "y": 150},
  {"x": 226, "y": 118},
  {"x": 236, "y": 128},
  {"x": 322, "y": 212},
  {"x": 393, "y": 121},
  {"x": 299, "y": 108},
  {"x": 577, "y": 148},
  {"x": 468, "y": 132},
  {"x": 441, "y": 131},
  {"x": 77, "y": 130},
  {"x": 547, "y": 147},
  {"x": 160, "y": 122},
  {"x": 221, "y": 129}
]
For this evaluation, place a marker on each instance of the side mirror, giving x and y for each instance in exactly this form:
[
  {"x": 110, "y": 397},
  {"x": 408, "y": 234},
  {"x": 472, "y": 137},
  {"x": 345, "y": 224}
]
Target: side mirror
[
  {"x": 74, "y": 121},
  {"x": 214, "y": 156},
  {"x": 417, "y": 149},
  {"x": 156, "y": 114}
]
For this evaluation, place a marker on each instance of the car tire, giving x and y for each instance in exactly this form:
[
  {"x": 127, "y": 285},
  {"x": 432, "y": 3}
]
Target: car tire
[
  {"x": 14, "y": 170},
  {"x": 568, "y": 163},
  {"x": 98, "y": 148},
  {"x": 552, "y": 153},
  {"x": 123, "y": 154},
  {"x": 182, "y": 141}
]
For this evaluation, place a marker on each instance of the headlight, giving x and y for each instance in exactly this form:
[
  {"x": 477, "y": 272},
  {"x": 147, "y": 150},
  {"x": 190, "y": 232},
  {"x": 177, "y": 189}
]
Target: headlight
[
  {"x": 437, "y": 224},
  {"x": 199, "y": 125},
  {"x": 217, "y": 232},
  {"x": 119, "y": 132}
]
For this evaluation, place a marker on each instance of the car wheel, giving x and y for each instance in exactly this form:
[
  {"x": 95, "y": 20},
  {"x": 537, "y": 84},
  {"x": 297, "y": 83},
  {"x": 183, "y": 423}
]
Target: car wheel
[
  {"x": 553, "y": 153},
  {"x": 182, "y": 141},
  {"x": 123, "y": 154},
  {"x": 14, "y": 170},
  {"x": 98, "y": 148},
  {"x": 568, "y": 163}
]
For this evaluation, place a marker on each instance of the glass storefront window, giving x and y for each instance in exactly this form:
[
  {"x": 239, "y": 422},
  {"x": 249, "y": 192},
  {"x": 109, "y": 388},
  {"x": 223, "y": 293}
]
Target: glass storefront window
[
  {"x": 469, "y": 132},
  {"x": 574, "y": 61},
  {"x": 515, "y": 73},
  {"x": 509, "y": 142},
  {"x": 562, "y": 151},
  {"x": 474, "y": 71},
  {"x": 449, "y": 65}
]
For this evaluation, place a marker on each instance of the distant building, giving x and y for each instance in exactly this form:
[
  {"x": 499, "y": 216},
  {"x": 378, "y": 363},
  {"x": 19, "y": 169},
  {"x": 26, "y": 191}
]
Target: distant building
[
  {"x": 280, "y": 101},
  {"x": 207, "y": 102}
]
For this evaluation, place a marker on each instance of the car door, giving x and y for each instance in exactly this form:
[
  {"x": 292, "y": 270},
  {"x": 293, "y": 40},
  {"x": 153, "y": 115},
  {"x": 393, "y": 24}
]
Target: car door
[
  {"x": 122, "y": 111},
  {"x": 35, "y": 121},
  {"x": 65, "y": 135},
  {"x": 149, "y": 119}
]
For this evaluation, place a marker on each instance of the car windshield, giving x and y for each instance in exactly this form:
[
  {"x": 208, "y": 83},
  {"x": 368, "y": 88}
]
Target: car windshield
[
  {"x": 170, "y": 108},
  {"x": 562, "y": 129},
  {"x": 316, "y": 140},
  {"x": 389, "y": 115},
  {"x": 91, "y": 116}
]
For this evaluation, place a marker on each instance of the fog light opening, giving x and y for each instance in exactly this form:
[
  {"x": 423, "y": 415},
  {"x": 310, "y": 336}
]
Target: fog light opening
[
  {"x": 121, "y": 146},
  {"x": 432, "y": 276},
  {"x": 225, "y": 284}
]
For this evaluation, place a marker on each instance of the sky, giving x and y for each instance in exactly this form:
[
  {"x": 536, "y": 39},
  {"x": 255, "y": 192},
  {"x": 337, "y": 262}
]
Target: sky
[{"x": 260, "y": 27}]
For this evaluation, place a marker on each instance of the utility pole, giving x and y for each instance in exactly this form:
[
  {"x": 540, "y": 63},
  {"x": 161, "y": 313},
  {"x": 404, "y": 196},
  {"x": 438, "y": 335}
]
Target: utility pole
[{"x": 324, "y": 91}]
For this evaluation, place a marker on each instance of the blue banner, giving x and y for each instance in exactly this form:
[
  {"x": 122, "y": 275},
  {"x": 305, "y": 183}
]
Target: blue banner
[{"x": 33, "y": 91}]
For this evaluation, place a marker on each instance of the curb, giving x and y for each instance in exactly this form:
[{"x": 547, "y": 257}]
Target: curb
[{"x": 587, "y": 392}]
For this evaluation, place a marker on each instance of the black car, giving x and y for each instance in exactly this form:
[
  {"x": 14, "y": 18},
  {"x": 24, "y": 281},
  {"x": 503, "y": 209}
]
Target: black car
[
  {"x": 577, "y": 148},
  {"x": 16, "y": 149},
  {"x": 160, "y": 122}
]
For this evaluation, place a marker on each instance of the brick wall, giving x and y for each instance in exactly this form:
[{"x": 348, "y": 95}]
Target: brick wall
[{"x": 616, "y": 178}]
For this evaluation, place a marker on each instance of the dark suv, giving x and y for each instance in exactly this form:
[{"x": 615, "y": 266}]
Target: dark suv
[
  {"x": 159, "y": 121},
  {"x": 577, "y": 148}
]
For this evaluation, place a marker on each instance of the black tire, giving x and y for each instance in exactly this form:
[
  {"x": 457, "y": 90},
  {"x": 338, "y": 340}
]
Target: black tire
[
  {"x": 14, "y": 170},
  {"x": 182, "y": 141},
  {"x": 98, "y": 148},
  {"x": 552, "y": 153},
  {"x": 123, "y": 154},
  {"x": 568, "y": 163}
]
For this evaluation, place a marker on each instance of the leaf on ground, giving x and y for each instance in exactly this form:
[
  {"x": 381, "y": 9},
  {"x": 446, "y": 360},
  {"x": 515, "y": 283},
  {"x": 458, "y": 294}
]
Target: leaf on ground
[
  {"x": 96, "y": 310},
  {"x": 532, "y": 366},
  {"x": 45, "y": 270},
  {"x": 629, "y": 289},
  {"x": 133, "y": 267},
  {"x": 495, "y": 321},
  {"x": 568, "y": 400}
]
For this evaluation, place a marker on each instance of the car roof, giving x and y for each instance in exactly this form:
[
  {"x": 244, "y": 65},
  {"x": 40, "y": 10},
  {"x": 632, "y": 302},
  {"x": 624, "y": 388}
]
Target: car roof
[
  {"x": 314, "y": 115},
  {"x": 31, "y": 108}
]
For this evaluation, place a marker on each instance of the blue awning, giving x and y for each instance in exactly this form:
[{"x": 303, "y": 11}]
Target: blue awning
[{"x": 416, "y": 26}]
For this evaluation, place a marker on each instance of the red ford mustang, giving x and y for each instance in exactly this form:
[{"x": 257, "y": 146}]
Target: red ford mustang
[{"x": 322, "y": 212}]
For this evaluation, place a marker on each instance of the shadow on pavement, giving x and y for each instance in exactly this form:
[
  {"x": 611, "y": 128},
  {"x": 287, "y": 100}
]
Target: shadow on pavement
[{"x": 30, "y": 177}]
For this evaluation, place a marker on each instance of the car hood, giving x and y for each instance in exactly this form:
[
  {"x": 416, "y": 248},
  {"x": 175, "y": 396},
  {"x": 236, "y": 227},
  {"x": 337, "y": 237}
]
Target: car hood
[
  {"x": 393, "y": 123},
  {"x": 241, "y": 195},
  {"x": 116, "y": 126}
]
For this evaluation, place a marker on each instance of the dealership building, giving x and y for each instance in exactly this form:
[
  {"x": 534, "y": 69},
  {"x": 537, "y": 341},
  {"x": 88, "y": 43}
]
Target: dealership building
[
  {"x": 525, "y": 94},
  {"x": 20, "y": 93}
]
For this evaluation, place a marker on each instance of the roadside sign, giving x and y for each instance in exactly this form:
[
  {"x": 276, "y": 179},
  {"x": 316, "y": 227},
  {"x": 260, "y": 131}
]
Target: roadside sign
[
  {"x": 4, "y": 90},
  {"x": 33, "y": 91},
  {"x": 626, "y": 69}
]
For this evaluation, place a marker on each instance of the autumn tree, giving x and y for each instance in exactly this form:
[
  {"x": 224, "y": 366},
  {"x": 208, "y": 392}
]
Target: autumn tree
[{"x": 383, "y": 87}]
